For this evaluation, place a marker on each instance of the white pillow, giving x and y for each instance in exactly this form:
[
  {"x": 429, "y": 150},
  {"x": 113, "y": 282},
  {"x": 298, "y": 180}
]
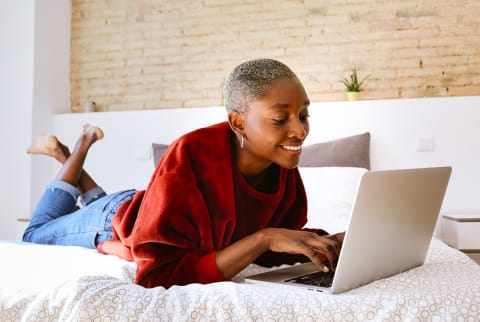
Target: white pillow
[{"x": 330, "y": 194}]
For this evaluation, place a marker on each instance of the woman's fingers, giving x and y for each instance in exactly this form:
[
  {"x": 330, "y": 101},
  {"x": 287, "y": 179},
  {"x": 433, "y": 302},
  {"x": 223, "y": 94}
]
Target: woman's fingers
[
  {"x": 338, "y": 237},
  {"x": 324, "y": 252},
  {"x": 321, "y": 250},
  {"x": 319, "y": 259}
]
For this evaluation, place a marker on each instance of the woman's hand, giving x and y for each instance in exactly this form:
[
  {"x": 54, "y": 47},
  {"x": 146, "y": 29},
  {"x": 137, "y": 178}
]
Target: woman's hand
[
  {"x": 321, "y": 250},
  {"x": 338, "y": 237},
  {"x": 115, "y": 247}
]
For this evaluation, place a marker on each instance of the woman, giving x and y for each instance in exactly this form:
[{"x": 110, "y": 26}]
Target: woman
[{"x": 221, "y": 197}]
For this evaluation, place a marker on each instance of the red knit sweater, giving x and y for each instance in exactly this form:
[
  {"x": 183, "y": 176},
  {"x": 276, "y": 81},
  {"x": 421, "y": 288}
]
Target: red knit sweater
[{"x": 195, "y": 204}]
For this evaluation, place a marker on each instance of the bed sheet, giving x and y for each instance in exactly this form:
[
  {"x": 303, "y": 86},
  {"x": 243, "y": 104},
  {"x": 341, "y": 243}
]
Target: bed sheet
[{"x": 58, "y": 283}]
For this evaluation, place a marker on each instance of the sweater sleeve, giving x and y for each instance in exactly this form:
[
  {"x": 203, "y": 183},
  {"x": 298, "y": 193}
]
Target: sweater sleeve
[
  {"x": 174, "y": 238},
  {"x": 175, "y": 227}
]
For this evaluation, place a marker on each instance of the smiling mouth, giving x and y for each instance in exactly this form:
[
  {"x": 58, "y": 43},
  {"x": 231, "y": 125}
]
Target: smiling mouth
[{"x": 292, "y": 147}]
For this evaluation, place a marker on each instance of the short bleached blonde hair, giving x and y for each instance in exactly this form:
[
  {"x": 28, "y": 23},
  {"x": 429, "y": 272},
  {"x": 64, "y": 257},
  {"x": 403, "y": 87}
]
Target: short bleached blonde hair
[{"x": 249, "y": 81}]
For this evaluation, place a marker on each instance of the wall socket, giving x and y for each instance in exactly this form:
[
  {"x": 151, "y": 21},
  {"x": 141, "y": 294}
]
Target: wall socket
[
  {"x": 143, "y": 154},
  {"x": 425, "y": 143}
]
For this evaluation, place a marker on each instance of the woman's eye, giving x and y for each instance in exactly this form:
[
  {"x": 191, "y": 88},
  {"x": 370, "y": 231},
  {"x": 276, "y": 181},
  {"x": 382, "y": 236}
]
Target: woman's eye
[
  {"x": 279, "y": 121},
  {"x": 304, "y": 118}
]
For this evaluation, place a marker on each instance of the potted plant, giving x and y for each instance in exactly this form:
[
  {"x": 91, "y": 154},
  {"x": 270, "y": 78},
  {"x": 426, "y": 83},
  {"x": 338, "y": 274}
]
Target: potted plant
[{"x": 353, "y": 86}]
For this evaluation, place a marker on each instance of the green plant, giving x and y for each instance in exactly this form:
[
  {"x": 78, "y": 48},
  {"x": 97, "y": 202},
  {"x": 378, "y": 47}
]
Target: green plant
[{"x": 352, "y": 84}]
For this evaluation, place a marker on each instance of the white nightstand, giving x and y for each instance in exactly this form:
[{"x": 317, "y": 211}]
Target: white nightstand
[
  {"x": 22, "y": 224},
  {"x": 462, "y": 231}
]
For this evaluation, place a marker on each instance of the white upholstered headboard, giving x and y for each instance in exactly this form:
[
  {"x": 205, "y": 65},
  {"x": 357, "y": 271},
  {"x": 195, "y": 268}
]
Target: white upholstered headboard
[{"x": 449, "y": 127}]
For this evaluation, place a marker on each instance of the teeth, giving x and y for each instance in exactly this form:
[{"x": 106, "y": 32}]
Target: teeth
[{"x": 292, "y": 148}]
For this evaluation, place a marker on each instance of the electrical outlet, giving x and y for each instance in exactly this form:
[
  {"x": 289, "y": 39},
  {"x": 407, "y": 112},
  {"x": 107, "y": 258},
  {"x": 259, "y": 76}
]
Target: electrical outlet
[
  {"x": 143, "y": 154},
  {"x": 425, "y": 144}
]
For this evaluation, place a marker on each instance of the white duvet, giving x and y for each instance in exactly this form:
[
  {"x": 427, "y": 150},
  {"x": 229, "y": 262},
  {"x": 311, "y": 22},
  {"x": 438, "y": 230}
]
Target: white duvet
[{"x": 58, "y": 283}]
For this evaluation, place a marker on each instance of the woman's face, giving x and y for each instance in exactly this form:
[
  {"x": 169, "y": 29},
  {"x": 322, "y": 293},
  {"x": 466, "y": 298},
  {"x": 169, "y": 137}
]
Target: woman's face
[{"x": 275, "y": 127}]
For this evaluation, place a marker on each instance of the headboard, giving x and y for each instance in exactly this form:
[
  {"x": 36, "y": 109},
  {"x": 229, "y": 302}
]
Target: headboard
[{"x": 404, "y": 134}]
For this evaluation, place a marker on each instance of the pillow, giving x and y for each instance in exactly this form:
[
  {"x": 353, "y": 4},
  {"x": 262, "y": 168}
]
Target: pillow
[
  {"x": 330, "y": 194},
  {"x": 351, "y": 151},
  {"x": 158, "y": 151}
]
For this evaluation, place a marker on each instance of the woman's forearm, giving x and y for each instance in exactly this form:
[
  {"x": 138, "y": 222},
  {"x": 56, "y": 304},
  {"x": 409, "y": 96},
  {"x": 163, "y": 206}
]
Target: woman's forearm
[
  {"x": 323, "y": 251},
  {"x": 234, "y": 258}
]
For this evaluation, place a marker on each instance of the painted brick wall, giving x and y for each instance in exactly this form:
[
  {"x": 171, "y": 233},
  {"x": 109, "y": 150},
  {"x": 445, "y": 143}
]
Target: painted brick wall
[{"x": 153, "y": 54}]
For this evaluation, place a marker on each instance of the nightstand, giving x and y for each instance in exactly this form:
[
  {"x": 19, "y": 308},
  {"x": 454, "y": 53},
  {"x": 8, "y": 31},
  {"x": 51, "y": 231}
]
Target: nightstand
[
  {"x": 22, "y": 224},
  {"x": 462, "y": 231}
]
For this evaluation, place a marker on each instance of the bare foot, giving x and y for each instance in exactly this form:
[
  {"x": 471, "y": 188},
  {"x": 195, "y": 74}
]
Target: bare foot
[
  {"x": 50, "y": 146},
  {"x": 43, "y": 144},
  {"x": 93, "y": 132}
]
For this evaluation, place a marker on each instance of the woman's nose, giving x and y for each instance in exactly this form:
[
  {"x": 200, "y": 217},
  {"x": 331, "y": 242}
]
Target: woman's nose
[{"x": 299, "y": 129}]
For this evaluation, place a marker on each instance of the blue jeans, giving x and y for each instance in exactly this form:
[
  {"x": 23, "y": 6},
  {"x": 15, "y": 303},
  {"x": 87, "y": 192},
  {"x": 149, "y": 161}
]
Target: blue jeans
[{"x": 58, "y": 220}]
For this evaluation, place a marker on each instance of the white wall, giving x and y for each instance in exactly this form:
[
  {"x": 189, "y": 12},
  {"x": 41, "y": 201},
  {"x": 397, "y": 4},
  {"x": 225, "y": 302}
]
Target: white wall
[
  {"x": 16, "y": 94},
  {"x": 34, "y": 62},
  {"x": 51, "y": 86},
  {"x": 397, "y": 126},
  {"x": 121, "y": 160}
]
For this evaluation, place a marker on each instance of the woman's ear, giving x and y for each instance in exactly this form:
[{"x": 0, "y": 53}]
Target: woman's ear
[{"x": 236, "y": 122}]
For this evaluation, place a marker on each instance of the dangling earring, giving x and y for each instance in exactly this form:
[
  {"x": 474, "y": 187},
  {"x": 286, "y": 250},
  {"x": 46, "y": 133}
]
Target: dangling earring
[{"x": 242, "y": 141}]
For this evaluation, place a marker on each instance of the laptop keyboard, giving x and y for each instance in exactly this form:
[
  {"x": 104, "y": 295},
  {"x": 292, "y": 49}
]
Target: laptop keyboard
[{"x": 318, "y": 279}]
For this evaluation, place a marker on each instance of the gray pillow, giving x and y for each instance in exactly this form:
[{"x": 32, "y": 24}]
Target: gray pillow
[
  {"x": 158, "y": 151},
  {"x": 351, "y": 151}
]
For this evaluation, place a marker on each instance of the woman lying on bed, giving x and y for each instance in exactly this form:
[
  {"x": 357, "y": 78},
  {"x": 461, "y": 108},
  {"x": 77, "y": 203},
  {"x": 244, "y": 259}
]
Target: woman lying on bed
[{"x": 221, "y": 197}]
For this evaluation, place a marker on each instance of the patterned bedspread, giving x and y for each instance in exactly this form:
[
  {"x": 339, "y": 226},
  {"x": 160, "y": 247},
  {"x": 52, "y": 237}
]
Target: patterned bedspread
[{"x": 55, "y": 283}]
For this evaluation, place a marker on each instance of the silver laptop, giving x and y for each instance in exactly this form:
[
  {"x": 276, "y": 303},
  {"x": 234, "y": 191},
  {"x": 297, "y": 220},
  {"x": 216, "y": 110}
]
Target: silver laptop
[{"x": 390, "y": 229}]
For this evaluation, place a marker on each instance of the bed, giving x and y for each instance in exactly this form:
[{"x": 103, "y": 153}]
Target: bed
[
  {"x": 58, "y": 283},
  {"x": 62, "y": 283}
]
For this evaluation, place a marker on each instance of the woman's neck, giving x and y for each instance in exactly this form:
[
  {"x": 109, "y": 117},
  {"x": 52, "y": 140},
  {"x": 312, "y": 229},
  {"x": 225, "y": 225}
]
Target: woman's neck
[{"x": 264, "y": 181}]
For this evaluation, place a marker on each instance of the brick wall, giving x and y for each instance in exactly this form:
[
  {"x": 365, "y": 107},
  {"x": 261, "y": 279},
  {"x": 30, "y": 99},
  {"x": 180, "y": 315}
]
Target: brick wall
[{"x": 152, "y": 54}]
